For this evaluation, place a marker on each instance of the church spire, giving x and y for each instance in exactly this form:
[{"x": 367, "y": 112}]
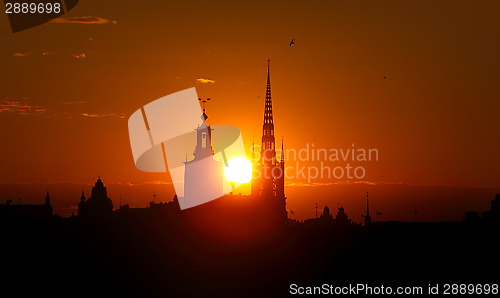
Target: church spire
[
  {"x": 367, "y": 217},
  {"x": 268, "y": 111},
  {"x": 268, "y": 88},
  {"x": 268, "y": 148},
  {"x": 269, "y": 174},
  {"x": 282, "y": 152}
]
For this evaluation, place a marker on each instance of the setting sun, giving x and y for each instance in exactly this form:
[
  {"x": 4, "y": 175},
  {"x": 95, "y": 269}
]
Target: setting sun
[{"x": 238, "y": 170}]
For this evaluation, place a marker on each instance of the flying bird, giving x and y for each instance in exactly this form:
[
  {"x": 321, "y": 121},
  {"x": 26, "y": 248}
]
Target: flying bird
[{"x": 292, "y": 42}]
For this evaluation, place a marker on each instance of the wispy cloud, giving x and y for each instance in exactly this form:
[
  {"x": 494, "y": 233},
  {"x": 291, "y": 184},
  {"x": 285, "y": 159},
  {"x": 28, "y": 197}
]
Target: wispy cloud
[
  {"x": 156, "y": 182},
  {"x": 80, "y": 56},
  {"x": 81, "y": 20},
  {"x": 18, "y": 107},
  {"x": 73, "y": 102},
  {"x": 205, "y": 81},
  {"x": 333, "y": 183},
  {"x": 13, "y": 107},
  {"x": 96, "y": 115},
  {"x": 19, "y": 54},
  {"x": 26, "y": 54},
  {"x": 21, "y": 106}
]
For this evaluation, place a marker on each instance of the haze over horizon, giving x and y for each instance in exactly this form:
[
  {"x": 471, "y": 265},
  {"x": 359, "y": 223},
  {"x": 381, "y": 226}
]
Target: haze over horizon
[{"x": 393, "y": 201}]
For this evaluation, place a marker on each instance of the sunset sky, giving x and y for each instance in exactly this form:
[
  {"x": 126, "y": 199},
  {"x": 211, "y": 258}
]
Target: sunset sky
[{"x": 68, "y": 87}]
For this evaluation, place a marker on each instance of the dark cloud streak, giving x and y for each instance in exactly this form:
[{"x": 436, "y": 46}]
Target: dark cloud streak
[{"x": 81, "y": 20}]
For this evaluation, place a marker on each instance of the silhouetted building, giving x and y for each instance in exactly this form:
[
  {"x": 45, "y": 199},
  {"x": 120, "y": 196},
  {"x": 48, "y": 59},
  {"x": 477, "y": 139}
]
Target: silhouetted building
[
  {"x": 326, "y": 220},
  {"x": 268, "y": 173},
  {"x": 495, "y": 206},
  {"x": 326, "y": 213},
  {"x": 172, "y": 205},
  {"x": 472, "y": 216},
  {"x": 154, "y": 209},
  {"x": 195, "y": 170},
  {"x": 26, "y": 211},
  {"x": 493, "y": 216},
  {"x": 367, "y": 216},
  {"x": 98, "y": 205},
  {"x": 341, "y": 218}
]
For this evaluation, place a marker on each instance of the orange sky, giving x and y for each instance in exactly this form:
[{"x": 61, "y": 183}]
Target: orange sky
[{"x": 434, "y": 119}]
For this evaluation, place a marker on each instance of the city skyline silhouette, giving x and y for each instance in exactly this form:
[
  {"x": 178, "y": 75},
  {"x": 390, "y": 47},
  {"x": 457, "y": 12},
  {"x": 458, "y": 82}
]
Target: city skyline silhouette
[
  {"x": 371, "y": 130},
  {"x": 263, "y": 166},
  {"x": 217, "y": 248},
  {"x": 267, "y": 186}
]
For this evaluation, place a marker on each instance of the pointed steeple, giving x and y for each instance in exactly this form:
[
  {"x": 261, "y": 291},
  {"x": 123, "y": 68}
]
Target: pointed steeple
[
  {"x": 268, "y": 148},
  {"x": 47, "y": 199},
  {"x": 268, "y": 89},
  {"x": 367, "y": 206},
  {"x": 282, "y": 152},
  {"x": 269, "y": 182},
  {"x": 268, "y": 111},
  {"x": 367, "y": 217},
  {"x": 253, "y": 149}
]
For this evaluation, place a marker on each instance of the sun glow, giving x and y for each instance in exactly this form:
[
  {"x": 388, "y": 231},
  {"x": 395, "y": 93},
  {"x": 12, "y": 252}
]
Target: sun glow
[{"x": 238, "y": 170}]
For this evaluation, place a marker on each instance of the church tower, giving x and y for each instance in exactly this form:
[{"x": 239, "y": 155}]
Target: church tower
[
  {"x": 203, "y": 140},
  {"x": 195, "y": 171},
  {"x": 268, "y": 173},
  {"x": 268, "y": 148},
  {"x": 267, "y": 169}
]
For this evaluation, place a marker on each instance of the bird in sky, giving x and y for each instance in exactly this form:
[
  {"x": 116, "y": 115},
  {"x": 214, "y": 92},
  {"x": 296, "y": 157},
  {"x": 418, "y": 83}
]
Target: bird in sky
[{"x": 292, "y": 42}]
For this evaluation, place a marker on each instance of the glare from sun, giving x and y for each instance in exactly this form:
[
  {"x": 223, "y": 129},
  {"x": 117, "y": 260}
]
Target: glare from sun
[{"x": 238, "y": 170}]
